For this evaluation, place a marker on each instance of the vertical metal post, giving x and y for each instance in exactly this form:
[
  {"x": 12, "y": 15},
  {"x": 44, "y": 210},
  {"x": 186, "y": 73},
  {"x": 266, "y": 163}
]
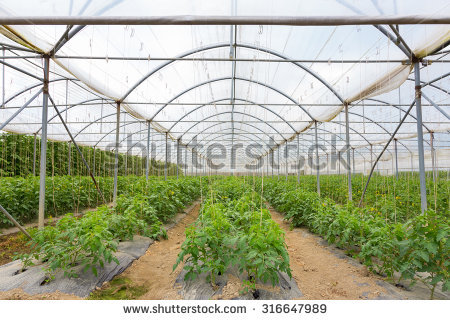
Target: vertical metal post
[
  {"x": 328, "y": 165},
  {"x": 347, "y": 145},
  {"x": 178, "y": 155},
  {"x": 69, "y": 165},
  {"x": 278, "y": 168},
  {"x": 93, "y": 164},
  {"x": 272, "y": 158},
  {"x": 371, "y": 156},
  {"x": 185, "y": 161},
  {"x": 298, "y": 158},
  {"x": 339, "y": 162},
  {"x": 166, "y": 167},
  {"x": 147, "y": 160},
  {"x": 396, "y": 159},
  {"x": 353, "y": 160},
  {"x": 3, "y": 80},
  {"x": 286, "y": 158},
  {"x": 433, "y": 157},
  {"x": 43, "y": 163},
  {"x": 116, "y": 157},
  {"x": 34, "y": 155},
  {"x": 423, "y": 188},
  {"x": 317, "y": 158},
  {"x": 196, "y": 164}
]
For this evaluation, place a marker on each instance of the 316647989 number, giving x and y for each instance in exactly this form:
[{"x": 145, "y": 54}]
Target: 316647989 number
[{"x": 294, "y": 308}]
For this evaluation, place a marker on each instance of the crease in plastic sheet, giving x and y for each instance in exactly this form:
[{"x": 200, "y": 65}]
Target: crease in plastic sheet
[
  {"x": 386, "y": 83},
  {"x": 11, "y": 34},
  {"x": 440, "y": 36}
]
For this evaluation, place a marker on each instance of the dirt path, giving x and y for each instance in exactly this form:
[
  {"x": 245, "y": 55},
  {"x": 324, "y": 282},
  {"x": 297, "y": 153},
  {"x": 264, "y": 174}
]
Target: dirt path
[
  {"x": 153, "y": 270},
  {"x": 322, "y": 275}
]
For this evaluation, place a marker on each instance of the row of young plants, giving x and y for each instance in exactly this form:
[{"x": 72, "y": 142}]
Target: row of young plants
[
  {"x": 17, "y": 157},
  {"x": 20, "y": 196},
  {"x": 91, "y": 240},
  {"x": 417, "y": 249},
  {"x": 234, "y": 230},
  {"x": 395, "y": 200}
]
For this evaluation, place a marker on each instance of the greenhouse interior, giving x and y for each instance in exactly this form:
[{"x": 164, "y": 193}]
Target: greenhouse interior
[{"x": 244, "y": 120}]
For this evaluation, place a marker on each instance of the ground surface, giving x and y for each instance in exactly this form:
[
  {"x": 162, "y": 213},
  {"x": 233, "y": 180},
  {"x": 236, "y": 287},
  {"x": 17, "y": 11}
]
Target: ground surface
[
  {"x": 153, "y": 270},
  {"x": 10, "y": 245},
  {"x": 322, "y": 275},
  {"x": 321, "y": 272}
]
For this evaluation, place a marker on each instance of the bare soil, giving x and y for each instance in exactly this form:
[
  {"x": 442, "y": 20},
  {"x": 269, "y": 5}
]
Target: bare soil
[
  {"x": 153, "y": 271},
  {"x": 319, "y": 274},
  {"x": 19, "y": 294},
  {"x": 11, "y": 245}
]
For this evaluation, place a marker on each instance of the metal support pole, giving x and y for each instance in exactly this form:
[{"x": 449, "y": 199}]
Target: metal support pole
[
  {"x": 286, "y": 158},
  {"x": 93, "y": 164},
  {"x": 147, "y": 160},
  {"x": 70, "y": 159},
  {"x": 10, "y": 218},
  {"x": 371, "y": 155},
  {"x": 34, "y": 155},
  {"x": 272, "y": 158},
  {"x": 396, "y": 159},
  {"x": 298, "y": 158},
  {"x": 116, "y": 161},
  {"x": 166, "y": 167},
  {"x": 43, "y": 163},
  {"x": 423, "y": 188},
  {"x": 433, "y": 157},
  {"x": 185, "y": 161},
  {"x": 339, "y": 162},
  {"x": 328, "y": 165},
  {"x": 317, "y": 158},
  {"x": 347, "y": 145},
  {"x": 353, "y": 160},
  {"x": 178, "y": 155},
  {"x": 278, "y": 167}
]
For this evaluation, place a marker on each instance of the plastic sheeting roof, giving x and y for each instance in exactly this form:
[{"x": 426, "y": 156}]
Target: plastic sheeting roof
[{"x": 285, "y": 77}]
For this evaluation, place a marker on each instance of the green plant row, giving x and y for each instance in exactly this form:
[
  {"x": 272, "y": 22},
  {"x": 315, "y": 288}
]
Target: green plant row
[
  {"x": 396, "y": 200},
  {"x": 17, "y": 157},
  {"x": 417, "y": 249},
  {"x": 234, "y": 230},
  {"x": 20, "y": 196},
  {"x": 91, "y": 240}
]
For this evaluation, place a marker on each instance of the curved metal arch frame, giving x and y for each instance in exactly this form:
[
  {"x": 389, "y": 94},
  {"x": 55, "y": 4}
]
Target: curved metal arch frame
[
  {"x": 248, "y": 124},
  {"x": 230, "y": 78},
  {"x": 17, "y": 94},
  {"x": 227, "y": 112},
  {"x": 217, "y": 46},
  {"x": 99, "y": 119},
  {"x": 72, "y": 106},
  {"x": 203, "y": 105},
  {"x": 394, "y": 106},
  {"x": 251, "y": 103},
  {"x": 198, "y": 150},
  {"x": 278, "y": 145},
  {"x": 307, "y": 134}
]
